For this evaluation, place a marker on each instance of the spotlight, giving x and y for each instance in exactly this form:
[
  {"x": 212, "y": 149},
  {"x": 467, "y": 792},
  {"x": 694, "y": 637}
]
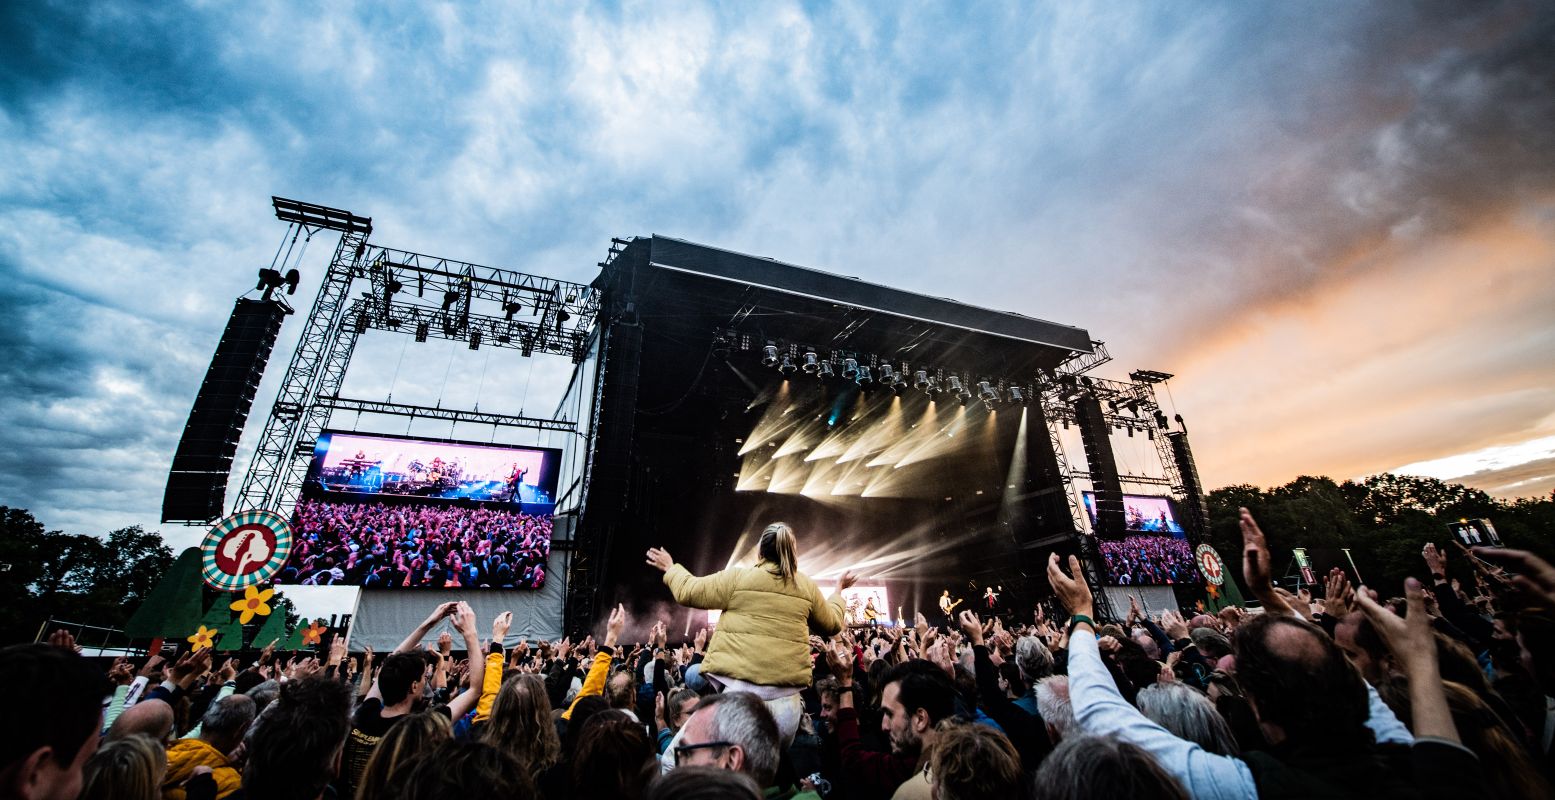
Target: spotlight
[
  {"x": 812, "y": 362},
  {"x": 449, "y": 298},
  {"x": 934, "y": 387},
  {"x": 1017, "y": 397},
  {"x": 953, "y": 384},
  {"x": 988, "y": 394},
  {"x": 920, "y": 380},
  {"x": 887, "y": 375},
  {"x": 422, "y": 329},
  {"x": 475, "y": 339},
  {"x": 861, "y": 376},
  {"x": 825, "y": 370},
  {"x": 899, "y": 385},
  {"x": 395, "y": 286},
  {"x": 787, "y": 367},
  {"x": 511, "y": 308},
  {"x": 849, "y": 369},
  {"x": 722, "y": 345},
  {"x": 769, "y": 356},
  {"x": 361, "y": 323}
]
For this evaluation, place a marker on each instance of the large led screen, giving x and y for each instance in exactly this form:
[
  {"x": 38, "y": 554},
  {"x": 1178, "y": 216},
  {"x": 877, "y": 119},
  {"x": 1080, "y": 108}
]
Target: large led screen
[
  {"x": 1155, "y": 551},
  {"x": 385, "y": 512}
]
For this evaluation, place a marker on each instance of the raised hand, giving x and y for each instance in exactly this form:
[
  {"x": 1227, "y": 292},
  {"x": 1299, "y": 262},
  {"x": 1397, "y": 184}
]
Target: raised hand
[
  {"x": 700, "y": 640},
  {"x": 190, "y": 667},
  {"x": 445, "y": 644},
  {"x": 1435, "y": 560},
  {"x": 463, "y": 618},
  {"x": 1412, "y": 641},
  {"x": 1172, "y": 622},
  {"x": 1072, "y": 592},
  {"x": 1256, "y": 566},
  {"x": 660, "y": 559},
  {"x": 615, "y": 624},
  {"x": 1339, "y": 596},
  {"x": 64, "y": 640},
  {"x": 1536, "y": 578},
  {"x": 847, "y": 580},
  {"x": 122, "y": 672},
  {"x": 971, "y": 626},
  {"x": 151, "y": 666},
  {"x": 500, "y": 626},
  {"x": 229, "y": 668},
  {"x": 839, "y": 658}
]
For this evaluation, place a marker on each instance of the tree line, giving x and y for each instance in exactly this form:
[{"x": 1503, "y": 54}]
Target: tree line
[{"x": 1383, "y": 521}]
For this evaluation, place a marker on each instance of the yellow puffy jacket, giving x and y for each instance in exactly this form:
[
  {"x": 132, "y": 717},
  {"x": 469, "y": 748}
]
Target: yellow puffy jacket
[
  {"x": 185, "y": 755},
  {"x": 763, "y": 632}
]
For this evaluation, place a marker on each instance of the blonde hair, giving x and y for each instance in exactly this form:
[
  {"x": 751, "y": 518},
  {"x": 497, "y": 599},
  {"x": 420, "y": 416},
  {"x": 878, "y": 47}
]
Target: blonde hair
[
  {"x": 130, "y": 768},
  {"x": 521, "y": 723},
  {"x": 406, "y": 739},
  {"x": 777, "y": 547}
]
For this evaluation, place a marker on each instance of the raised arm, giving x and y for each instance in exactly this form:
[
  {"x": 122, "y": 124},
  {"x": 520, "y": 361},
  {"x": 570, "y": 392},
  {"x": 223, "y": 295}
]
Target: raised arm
[
  {"x": 711, "y": 591},
  {"x": 827, "y": 614},
  {"x": 464, "y": 620},
  {"x": 413, "y": 641}
]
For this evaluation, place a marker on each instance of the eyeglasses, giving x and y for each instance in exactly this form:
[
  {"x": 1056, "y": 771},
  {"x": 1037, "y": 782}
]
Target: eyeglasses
[{"x": 681, "y": 751}]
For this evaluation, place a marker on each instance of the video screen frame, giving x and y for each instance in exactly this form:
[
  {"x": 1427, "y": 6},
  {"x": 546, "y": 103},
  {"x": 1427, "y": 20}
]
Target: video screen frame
[{"x": 423, "y": 535}]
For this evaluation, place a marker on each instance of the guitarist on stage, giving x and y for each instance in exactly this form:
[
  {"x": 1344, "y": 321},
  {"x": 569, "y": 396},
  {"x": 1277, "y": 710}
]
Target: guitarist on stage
[{"x": 946, "y": 606}]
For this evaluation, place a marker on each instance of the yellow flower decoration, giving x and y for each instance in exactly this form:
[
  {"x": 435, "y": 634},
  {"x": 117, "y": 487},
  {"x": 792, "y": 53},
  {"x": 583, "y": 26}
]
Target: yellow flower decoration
[
  {"x": 314, "y": 633},
  {"x": 254, "y": 602},
  {"x": 202, "y": 638}
]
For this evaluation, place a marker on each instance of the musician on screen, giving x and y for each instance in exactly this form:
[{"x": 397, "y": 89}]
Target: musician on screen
[{"x": 871, "y": 614}]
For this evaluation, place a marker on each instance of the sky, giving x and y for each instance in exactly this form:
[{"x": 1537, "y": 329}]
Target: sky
[{"x": 1333, "y": 222}]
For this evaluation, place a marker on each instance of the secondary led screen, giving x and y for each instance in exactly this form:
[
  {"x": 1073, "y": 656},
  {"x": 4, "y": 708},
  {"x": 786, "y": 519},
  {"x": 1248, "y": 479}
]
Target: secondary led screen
[
  {"x": 1155, "y": 550},
  {"x": 400, "y": 513}
]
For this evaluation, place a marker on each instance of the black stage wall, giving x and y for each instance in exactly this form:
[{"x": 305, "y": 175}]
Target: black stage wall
[{"x": 678, "y": 403}]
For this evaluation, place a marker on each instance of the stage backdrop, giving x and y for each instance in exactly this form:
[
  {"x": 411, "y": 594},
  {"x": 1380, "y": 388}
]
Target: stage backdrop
[{"x": 385, "y": 617}]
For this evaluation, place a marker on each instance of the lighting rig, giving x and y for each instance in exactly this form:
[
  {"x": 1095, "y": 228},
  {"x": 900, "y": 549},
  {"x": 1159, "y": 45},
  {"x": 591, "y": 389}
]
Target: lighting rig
[{"x": 869, "y": 371}]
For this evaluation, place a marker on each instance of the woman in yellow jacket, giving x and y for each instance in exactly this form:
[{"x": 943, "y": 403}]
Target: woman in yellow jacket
[{"x": 768, "y": 611}]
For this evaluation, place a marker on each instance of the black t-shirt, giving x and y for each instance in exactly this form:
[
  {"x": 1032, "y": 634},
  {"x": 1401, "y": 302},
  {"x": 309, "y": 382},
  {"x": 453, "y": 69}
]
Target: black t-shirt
[{"x": 367, "y": 729}]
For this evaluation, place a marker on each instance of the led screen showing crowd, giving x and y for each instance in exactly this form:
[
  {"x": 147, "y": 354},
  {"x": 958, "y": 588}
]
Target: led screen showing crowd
[
  {"x": 1155, "y": 551},
  {"x": 400, "y": 513}
]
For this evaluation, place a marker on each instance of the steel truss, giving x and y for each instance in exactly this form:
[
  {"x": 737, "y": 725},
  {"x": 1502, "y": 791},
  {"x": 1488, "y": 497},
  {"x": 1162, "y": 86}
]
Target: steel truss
[
  {"x": 310, "y": 392},
  {"x": 1144, "y": 414}
]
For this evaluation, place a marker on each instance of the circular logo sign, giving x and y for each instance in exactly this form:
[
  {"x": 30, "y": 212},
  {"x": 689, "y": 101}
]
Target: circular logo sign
[
  {"x": 245, "y": 549},
  {"x": 1210, "y": 564}
]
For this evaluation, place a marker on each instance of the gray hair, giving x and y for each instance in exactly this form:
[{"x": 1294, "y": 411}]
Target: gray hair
[
  {"x": 1188, "y": 713},
  {"x": 1053, "y": 703},
  {"x": 1099, "y": 766},
  {"x": 1212, "y": 643},
  {"x": 262, "y": 694},
  {"x": 741, "y": 718},
  {"x": 1033, "y": 658},
  {"x": 228, "y": 717}
]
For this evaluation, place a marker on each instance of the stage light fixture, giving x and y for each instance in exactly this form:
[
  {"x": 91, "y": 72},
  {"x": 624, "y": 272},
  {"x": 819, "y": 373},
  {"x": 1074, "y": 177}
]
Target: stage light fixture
[
  {"x": 394, "y": 286},
  {"x": 825, "y": 370},
  {"x": 899, "y": 385},
  {"x": 988, "y": 394},
  {"x": 1017, "y": 397},
  {"x": 722, "y": 344},
  {"x": 449, "y": 298},
  {"x": 953, "y": 384},
  {"x": 475, "y": 338},
  {"x": 769, "y": 356},
  {"x": 422, "y": 329},
  {"x": 934, "y": 387},
  {"x": 849, "y": 369},
  {"x": 887, "y": 374},
  {"x": 511, "y": 308},
  {"x": 862, "y": 377},
  {"x": 361, "y": 323},
  {"x": 812, "y": 362},
  {"x": 1161, "y": 421},
  {"x": 787, "y": 367},
  {"x": 920, "y": 380}
]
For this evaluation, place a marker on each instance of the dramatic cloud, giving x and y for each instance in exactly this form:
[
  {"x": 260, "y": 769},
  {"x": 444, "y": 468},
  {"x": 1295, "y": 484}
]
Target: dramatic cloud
[{"x": 1337, "y": 226}]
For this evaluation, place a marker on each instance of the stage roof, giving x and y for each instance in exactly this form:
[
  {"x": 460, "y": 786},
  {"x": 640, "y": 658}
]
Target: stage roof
[{"x": 803, "y": 282}]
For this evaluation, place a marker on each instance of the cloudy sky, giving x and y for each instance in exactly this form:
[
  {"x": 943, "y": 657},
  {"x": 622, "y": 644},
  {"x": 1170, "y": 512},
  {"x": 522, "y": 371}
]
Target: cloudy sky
[{"x": 1334, "y": 222}]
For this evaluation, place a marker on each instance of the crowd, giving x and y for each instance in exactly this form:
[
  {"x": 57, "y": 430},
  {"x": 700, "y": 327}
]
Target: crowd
[
  {"x": 1442, "y": 691},
  {"x": 434, "y": 546},
  {"x": 1148, "y": 560}
]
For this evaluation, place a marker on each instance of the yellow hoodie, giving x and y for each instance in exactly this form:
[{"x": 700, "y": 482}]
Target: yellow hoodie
[{"x": 185, "y": 755}]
